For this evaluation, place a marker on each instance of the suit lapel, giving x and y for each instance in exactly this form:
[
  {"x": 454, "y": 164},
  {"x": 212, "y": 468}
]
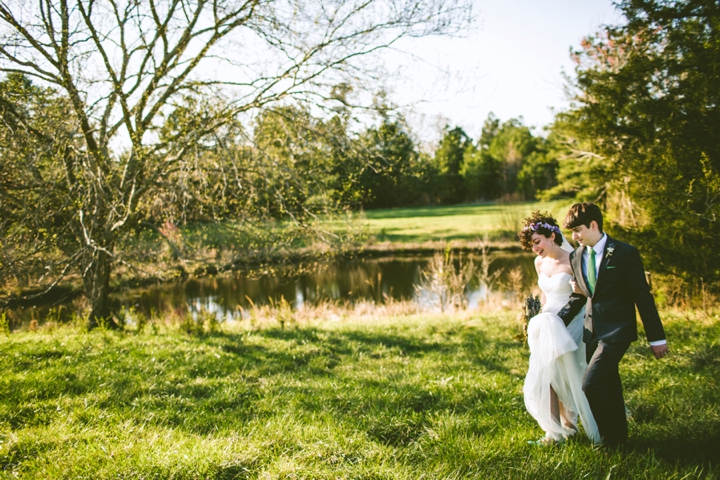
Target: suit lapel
[
  {"x": 579, "y": 275},
  {"x": 607, "y": 253}
]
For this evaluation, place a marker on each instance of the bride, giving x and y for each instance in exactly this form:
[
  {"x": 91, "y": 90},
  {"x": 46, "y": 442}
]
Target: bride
[{"x": 553, "y": 385}]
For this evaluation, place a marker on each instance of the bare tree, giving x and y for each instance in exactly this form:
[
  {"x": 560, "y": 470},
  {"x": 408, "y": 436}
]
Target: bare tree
[{"x": 121, "y": 66}]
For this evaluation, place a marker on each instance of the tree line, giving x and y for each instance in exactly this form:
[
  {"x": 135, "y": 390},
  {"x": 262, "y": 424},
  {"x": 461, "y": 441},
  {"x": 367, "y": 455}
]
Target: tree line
[{"x": 288, "y": 161}]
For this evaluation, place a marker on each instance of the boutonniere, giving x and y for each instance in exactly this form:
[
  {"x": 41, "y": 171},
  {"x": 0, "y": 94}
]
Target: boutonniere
[{"x": 610, "y": 249}]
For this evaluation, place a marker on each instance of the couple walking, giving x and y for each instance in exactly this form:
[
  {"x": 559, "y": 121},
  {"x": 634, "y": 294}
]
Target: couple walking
[{"x": 585, "y": 327}]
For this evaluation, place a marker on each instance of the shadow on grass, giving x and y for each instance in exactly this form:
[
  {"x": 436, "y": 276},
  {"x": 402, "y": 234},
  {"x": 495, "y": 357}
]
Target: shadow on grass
[
  {"x": 383, "y": 382},
  {"x": 474, "y": 346},
  {"x": 186, "y": 385},
  {"x": 436, "y": 211},
  {"x": 496, "y": 235},
  {"x": 696, "y": 447}
]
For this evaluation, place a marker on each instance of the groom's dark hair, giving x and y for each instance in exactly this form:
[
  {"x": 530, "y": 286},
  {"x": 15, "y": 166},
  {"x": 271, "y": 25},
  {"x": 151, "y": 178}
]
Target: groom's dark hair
[{"x": 583, "y": 214}]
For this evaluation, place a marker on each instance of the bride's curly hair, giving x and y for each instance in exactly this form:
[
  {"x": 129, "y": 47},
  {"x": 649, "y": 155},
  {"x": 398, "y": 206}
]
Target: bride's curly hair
[{"x": 542, "y": 223}]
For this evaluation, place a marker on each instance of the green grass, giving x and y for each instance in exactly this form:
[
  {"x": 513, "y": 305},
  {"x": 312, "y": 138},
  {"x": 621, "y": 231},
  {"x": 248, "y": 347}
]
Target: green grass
[
  {"x": 401, "y": 397},
  {"x": 455, "y": 223}
]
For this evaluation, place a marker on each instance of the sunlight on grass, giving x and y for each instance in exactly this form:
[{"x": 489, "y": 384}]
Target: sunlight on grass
[
  {"x": 352, "y": 396},
  {"x": 463, "y": 223}
]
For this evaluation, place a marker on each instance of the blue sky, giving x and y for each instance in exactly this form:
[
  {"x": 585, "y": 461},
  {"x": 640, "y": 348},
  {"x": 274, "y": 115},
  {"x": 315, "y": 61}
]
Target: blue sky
[{"x": 511, "y": 64}]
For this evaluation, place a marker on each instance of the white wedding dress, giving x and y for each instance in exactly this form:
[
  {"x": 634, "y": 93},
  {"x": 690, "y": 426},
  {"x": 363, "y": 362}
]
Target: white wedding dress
[{"x": 557, "y": 359}]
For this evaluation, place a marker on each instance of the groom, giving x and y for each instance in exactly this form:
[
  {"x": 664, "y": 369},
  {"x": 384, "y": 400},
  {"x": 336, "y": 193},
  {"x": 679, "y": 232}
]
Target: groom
[{"x": 611, "y": 275}]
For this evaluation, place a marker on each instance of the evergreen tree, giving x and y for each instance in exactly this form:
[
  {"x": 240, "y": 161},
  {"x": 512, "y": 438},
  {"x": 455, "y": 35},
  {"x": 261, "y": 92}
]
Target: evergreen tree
[
  {"x": 449, "y": 158},
  {"x": 507, "y": 161},
  {"x": 647, "y": 107},
  {"x": 388, "y": 177}
]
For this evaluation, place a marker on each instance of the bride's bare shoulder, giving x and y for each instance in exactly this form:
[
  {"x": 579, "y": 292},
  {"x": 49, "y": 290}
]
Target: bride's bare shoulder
[{"x": 538, "y": 263}]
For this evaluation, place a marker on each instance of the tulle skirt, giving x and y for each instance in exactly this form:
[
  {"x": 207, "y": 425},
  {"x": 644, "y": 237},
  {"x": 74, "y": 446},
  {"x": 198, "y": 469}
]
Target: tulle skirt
[{"x": 557, "y": 360}]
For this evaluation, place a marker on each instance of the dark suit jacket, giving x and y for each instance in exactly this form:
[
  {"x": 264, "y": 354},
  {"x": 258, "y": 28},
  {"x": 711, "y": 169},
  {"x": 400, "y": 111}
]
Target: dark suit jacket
[{"x": 620, "y": 287}]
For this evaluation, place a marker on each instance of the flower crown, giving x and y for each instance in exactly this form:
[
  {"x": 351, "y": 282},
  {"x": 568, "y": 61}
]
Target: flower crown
[{"x": 535, "y": 226}]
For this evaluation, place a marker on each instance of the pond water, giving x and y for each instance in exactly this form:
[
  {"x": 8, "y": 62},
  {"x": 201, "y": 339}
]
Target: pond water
[{"x": 231, "y": 296}]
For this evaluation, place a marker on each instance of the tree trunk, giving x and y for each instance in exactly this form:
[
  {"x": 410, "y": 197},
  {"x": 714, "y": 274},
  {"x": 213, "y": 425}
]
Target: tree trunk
[{"x": 97, "y": 289}]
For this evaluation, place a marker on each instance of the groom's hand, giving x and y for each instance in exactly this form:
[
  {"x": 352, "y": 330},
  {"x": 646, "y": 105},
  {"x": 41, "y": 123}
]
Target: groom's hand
[
  {"x": 659, "y": 350},
  {"x": 575, "y": 287}
]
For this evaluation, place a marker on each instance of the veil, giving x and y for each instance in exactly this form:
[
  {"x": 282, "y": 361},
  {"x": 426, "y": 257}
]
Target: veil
[{"x": 566, "y": 245}]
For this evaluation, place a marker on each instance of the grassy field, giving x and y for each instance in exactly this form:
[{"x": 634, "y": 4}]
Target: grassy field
[
  {"x": 344, "y": 396},
  {"x": 462, "y": 223}
]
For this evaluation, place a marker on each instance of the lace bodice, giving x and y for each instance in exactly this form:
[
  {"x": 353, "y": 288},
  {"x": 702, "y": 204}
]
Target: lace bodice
[{"x": 557, "y": 290}]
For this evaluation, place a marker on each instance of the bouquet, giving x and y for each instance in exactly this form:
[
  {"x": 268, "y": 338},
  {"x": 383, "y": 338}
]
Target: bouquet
[{"x": 531, "y": 307}]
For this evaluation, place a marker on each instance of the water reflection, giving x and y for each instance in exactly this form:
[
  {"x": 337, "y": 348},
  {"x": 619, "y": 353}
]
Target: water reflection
[{"x": 231, "y": 296}]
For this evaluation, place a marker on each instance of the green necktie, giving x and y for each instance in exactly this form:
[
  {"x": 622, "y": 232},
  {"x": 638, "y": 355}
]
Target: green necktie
[{"x": 591, "y": 271}]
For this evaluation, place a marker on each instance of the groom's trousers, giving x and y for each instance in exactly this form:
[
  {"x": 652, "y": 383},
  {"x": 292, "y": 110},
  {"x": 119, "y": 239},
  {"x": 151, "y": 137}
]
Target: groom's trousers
[{"x": 603, "y": 389}]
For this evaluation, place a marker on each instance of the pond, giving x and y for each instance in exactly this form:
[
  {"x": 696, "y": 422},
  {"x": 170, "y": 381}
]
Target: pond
[{"x": 230, "y": 296}]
